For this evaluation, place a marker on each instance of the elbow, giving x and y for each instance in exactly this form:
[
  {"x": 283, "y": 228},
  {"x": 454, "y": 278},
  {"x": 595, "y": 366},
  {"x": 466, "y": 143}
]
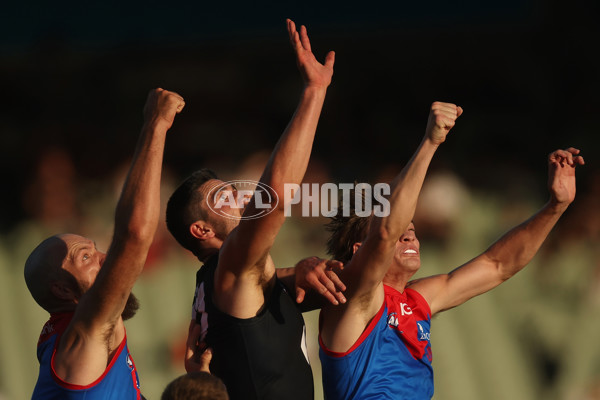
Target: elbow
[
  {"x": 506, "y": 270},
  {"x": 137, "y": 234}
]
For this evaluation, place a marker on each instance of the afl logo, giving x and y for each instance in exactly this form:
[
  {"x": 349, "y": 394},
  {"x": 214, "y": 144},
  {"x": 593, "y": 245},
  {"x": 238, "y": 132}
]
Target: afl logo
[{"x": 229, "y": 199}]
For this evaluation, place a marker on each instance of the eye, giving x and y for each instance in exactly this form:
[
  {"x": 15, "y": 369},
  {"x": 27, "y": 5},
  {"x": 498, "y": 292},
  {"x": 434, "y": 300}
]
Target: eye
[{"x": 86, "y": 257}]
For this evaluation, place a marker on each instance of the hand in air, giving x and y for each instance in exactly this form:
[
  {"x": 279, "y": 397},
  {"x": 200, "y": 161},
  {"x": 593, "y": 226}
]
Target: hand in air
[{"x": 313, "y": 72}]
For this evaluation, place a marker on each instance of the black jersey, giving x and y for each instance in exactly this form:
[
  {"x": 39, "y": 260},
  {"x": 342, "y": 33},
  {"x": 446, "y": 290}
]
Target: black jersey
[{"x": 263, "y": 357}]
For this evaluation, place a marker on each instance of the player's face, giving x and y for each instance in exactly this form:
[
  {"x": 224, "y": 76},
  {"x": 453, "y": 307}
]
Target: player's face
[
  {"x": 408, "y": 256},
  {"x": 83, "y": 259},
  {"x": 224, "y": 203}
]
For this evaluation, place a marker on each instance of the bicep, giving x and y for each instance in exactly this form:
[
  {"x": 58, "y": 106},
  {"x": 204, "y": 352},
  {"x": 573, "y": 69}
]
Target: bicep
[
  {"x": 367, "y": 268},
  {"x": 446, "y": 291},
  {"x": 248, "y": 245}
]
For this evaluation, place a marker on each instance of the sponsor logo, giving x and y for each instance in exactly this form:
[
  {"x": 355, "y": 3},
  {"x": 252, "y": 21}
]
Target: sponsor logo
[
  {"x": 423, "y": 333},
  {"x": 393, "y": 320},
  {"x": 405, "y": 309}
]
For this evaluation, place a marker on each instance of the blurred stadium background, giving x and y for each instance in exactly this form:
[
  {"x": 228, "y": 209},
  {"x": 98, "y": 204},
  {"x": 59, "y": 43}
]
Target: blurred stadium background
[{"x": 74, "y": 77}]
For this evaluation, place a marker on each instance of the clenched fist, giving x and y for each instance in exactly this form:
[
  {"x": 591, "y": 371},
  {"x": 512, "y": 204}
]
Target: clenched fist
[
  {"x": 561, "y": 174},
  {"x": 442, "y": 118},
  {"x": 162, "y": 105}
]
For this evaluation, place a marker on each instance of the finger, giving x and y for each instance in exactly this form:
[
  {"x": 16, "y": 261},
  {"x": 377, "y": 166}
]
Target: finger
[
  {"x": 300, "y": 293},
  {"x": 558, "y": 155},
  {"x": 324, "y": 291},
  {"x": 330, "y": 59},
  {"x": 336, "y": 281},
  {"x": 459, "y": 111},
  {"x": 445, "y": 122},
  {"x": 291, "y": 27},
  {"x": 180, "y": 106},
  {"x": 330, "y": 297},
  {"x": 579, "y": 160},
  {"x": 296, "y": 44},
  {"x": 304, "y": 38},
  {"x": 573, "y": 150},
  {"x": 569, "y": 158},
  {"x": 332, "y": 264},
  {"x": 331, "y": 288},
  {"x": 441, "y": 106},
  {"x": 205, "y": 360}
]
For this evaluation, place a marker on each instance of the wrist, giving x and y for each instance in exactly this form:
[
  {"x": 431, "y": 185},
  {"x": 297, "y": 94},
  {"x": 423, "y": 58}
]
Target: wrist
[
  {"x": 313, "y": 88},
  {"x": 557, "y": 206},
  {"x": 157, "y": 123},
  {"x": 428, "y": 141}
]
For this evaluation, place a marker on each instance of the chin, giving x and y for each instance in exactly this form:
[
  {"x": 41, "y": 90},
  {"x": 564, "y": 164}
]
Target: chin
[{"x": 411, "y": 264}]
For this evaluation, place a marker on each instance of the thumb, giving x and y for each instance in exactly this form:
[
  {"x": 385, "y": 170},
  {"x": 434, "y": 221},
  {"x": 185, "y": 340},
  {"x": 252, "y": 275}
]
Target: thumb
[
  {"x": 300, "y": 294},
  {"x": 330, "y": 59},
  {"x": 205, "y": 360}
]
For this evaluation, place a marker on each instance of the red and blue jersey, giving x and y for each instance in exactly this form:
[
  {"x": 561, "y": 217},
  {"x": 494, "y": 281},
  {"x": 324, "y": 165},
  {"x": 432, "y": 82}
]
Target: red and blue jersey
[
  {"x": 119, "y": 380},
  {"x": 390, "y": 360}
]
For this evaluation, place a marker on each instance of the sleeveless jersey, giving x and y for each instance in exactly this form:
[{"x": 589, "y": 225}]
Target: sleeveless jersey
[
  {"x": 263, "y": 357},
  {"x": 390, "y": 360},
  {"x": 119, "y": 381}
]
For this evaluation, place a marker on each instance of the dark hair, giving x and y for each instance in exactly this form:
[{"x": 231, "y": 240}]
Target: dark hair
[
  {"x": 346, "y": 230},
  {"x": 196, "y": 386},
  {"x": 184, "y": 207}
]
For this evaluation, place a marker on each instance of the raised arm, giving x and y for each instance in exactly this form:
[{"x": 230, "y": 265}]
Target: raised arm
[
  {"x": 364, "y": 273},
  {"x": 97, "y": 327},
  {"x": 244, "y": 260},
  {"x": 372, "y": 260},
  {"x": 513, "y": 251}
]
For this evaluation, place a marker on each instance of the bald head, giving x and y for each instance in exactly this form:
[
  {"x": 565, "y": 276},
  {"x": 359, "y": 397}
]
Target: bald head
[{"x": 44, "y": 267}]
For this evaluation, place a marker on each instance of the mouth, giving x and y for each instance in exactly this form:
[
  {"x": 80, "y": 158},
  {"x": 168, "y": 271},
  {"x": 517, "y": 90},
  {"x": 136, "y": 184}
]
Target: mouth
[{"x": 410, "y": 251}]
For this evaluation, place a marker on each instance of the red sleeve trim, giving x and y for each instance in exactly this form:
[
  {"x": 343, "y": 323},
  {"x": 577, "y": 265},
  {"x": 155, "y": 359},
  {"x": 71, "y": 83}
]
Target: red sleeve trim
[
  {"x": 359, "y": 341},
  {"x": 71, "y": 386}
]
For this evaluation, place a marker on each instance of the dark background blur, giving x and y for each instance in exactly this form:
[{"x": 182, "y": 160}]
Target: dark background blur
[
  {"x": 74, "y": 77},
  {"x": 73, "y": 81}
]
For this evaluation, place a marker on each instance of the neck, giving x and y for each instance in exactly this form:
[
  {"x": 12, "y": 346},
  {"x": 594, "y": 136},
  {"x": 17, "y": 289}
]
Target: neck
[
  {"x": 396, "y": 279},
  {"x": 205, "y": 255}
]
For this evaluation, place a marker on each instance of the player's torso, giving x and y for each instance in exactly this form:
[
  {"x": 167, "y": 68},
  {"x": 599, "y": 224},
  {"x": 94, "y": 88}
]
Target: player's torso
[
  {"x": 119, "y": 382},
  {"x": 392, "y": 360},
  {"x": 262, "y": 357}
]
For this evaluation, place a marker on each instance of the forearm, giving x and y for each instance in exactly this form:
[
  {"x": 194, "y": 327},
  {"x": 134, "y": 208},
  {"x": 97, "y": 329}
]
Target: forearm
[
  {"x": 290, "y": 157},
  {"x": 513, "y": 251},
  {"x": 405, "y": 191},
  {"x": 138, "y": 209}
]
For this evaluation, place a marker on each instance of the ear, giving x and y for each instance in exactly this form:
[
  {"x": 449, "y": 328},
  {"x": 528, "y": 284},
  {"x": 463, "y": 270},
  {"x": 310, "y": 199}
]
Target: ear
[
  {"x": 201, "y": 230},
  {"x": 62, "y": 291},
  {"x": 355, "y": 247}
]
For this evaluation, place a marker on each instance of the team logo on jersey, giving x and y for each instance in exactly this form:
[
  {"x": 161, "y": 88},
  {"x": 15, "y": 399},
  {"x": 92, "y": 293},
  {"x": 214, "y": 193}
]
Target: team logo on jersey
[
  {"x": 129, "y": 362},
  {"x": 423, "y": 330},
  {"x": 393, "y": 320}
]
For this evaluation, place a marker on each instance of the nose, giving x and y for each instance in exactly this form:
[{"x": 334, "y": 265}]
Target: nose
[{"x": 408, "y": 236}]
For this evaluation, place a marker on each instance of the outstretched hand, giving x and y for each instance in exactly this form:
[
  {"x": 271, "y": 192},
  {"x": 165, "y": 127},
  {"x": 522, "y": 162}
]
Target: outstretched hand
[
  {"x": 314, "y": 273},
  {"x": 313, "y": 72},
  {"x": 442, "y": 118},
  {"x": 561, "y": 174},
  {"x": 162, "y": 105}
]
